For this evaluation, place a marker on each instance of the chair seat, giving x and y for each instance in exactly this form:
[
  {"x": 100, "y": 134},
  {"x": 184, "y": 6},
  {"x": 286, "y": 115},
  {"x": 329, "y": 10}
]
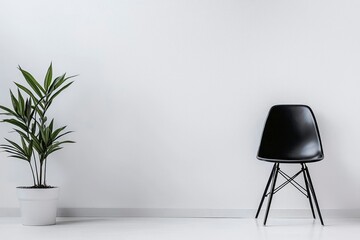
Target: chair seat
[{"x": 291, "y": 160}]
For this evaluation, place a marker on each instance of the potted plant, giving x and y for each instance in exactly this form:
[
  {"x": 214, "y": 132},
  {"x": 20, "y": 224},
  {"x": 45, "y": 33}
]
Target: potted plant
[{"x": 37, "y": 139}]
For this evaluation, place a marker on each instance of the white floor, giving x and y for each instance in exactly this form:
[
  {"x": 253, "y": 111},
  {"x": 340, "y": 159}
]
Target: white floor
[{"x": 182, "y": 228}]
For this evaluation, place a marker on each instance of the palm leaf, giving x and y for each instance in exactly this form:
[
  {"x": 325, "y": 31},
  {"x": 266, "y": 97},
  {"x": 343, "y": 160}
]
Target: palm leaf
[
  {"x": 17, "y": 123},
  {"x": 38, "y": 89},
  {"x": 61, "y": 135},
  {"x": 14, "y": 102},
  {"x": 58, "y": 80},
  {"x": 48, "y": 77},
  {"x": 19, "y": 157},
  {"x": 21, "y": 103},
  {"x": 57, "y": 131},
  {"x": 58, "y": 84},
  {"x": 22, "y": 134},
  {"x": 9, "y": 111},
  {"x": 15, "y": 145},
  {"x": 59, "y": 91},
  {"x": 51, "y": 150},
  {"x": 29, "y": 93}
]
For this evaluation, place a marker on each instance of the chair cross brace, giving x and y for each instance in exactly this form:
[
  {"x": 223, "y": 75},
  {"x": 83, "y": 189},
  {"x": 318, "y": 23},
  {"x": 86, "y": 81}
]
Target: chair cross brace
[{"x": 290, "y": 180}]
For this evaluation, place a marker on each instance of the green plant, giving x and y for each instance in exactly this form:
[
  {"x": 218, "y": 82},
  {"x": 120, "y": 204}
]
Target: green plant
[{"x": 37, "y": 137}]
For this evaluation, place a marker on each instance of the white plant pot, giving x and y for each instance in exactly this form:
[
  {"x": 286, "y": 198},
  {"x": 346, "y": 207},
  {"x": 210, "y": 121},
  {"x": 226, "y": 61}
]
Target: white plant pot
[{"x": 38, "y": 205}]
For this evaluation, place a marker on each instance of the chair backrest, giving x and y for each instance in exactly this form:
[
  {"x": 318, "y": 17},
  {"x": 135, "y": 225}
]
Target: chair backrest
[{"x": 291, "y": 135}]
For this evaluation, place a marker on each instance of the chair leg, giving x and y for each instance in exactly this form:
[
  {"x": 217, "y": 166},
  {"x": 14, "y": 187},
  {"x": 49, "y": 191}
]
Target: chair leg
[
  {"x": 308, "y": 191},
  {"x": 265, "y": 191},
  {"x": 276, "y": 170},
  {"x": 313, "y": 193}
]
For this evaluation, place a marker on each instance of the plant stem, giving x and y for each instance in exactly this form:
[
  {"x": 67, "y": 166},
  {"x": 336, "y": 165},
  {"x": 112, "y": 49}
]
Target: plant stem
[
  {"x": 45, "y": 161},
  {"x": 33, "y": 175},
  {"x": 36, "y": 169},
  {"x": 41, "y": 167}
]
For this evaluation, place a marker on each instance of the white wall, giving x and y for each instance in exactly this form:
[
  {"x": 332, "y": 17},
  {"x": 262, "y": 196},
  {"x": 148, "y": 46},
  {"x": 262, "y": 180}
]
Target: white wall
[{"x": 172, "y": 96}]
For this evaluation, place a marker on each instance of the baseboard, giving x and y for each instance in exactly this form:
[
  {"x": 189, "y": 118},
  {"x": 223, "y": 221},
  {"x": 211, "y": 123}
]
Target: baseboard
[{"x": 188, "y": 213}]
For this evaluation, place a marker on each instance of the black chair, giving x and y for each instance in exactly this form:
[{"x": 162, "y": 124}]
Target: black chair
[{"x": 290, "y": 135}]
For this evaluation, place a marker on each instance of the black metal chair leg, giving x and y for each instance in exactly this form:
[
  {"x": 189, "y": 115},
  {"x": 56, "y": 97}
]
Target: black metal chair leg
[
  {"x": 265, "y": 191},
  {"x": 271, "y": 191},
  {"x": 308, "y": 191},
  {"x": 313, "y": 193}
]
